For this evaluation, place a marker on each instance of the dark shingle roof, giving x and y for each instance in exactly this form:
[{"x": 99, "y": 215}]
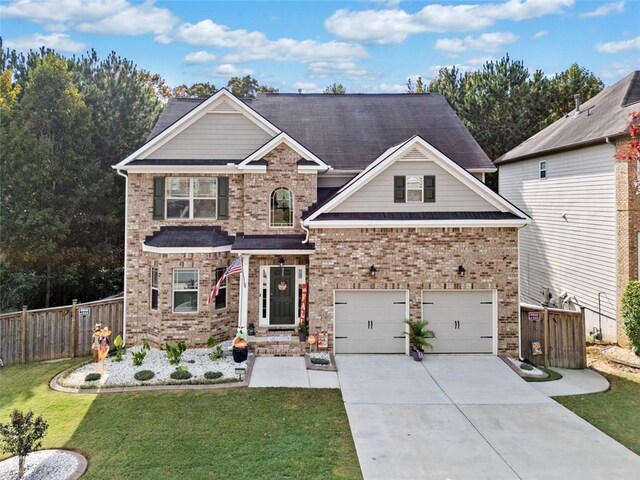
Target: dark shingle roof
[
  {"x": 350, "y": 131},
  {"x": 418, "y": 216},
  {"x": 605, "y": 115},
  {"x": 189, "y": 237},
  {"x": 271, "y": 242}
]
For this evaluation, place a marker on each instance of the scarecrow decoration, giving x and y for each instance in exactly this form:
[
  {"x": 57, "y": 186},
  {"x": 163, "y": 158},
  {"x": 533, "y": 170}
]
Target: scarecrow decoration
[
  {"x": 94, "y": 342},
  {"x": 103, "y": 346}
]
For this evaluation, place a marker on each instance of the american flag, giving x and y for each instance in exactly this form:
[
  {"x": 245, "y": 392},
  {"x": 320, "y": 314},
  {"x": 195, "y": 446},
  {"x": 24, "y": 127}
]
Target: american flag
[{"x": 234, "y": 269}]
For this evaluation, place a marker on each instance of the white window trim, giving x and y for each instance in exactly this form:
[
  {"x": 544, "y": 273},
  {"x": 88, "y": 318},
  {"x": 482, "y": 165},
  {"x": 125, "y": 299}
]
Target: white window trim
[
  {"x": 540, "y": 170},
  {"x": 224, "y": 286},
  {"x": 154, "y": 288},
  {"x": 293, "y": 210},
  {"x": 406, "y": 189},
  {"x": 191, "y": 199},
  {"x": 173, "y": 290}
]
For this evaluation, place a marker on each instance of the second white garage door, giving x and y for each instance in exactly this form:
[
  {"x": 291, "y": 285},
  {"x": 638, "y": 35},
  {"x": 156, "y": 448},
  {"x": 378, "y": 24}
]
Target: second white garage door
[
  {"x": 370, "y": 321},
  {"x": 461, "y": 320}
]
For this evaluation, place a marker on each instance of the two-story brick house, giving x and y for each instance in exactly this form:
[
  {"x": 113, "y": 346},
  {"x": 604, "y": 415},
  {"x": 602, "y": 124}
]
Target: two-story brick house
[{"x": 374, "y": 204}]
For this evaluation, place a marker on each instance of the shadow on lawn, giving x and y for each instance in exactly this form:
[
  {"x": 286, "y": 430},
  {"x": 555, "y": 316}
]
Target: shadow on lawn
[{"x": 236, "y": 433}]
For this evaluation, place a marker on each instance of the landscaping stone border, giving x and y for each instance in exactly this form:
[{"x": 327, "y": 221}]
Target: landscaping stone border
[
  {"x": 81, "y": 459},
  {"x": 54, "y": 385},
  {"x": 332, "y": 367}
]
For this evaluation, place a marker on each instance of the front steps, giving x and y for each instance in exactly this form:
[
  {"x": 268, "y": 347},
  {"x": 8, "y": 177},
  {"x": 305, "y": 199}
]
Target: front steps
[{"x": 277, "y": 344}]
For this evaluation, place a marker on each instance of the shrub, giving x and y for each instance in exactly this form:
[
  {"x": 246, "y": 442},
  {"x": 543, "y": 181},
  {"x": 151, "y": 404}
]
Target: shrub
[
  {"x": 418, "y": 334},
  {"x": 320, "y": 361},
  {"x": 22, "y": 435},
  {"x": 92, "y": 377},
  {"x": 175, "y": 351},
  {"x": 181, "y": 375},
  {"x": 138, "y": 357},
  {"x": 119, "y": 344},
  {"x": 212, "y": 375},
  {"x": 526, "y": 366},
  {"x": 631, "y": 314},
  {"x": 144, "y": 375}
]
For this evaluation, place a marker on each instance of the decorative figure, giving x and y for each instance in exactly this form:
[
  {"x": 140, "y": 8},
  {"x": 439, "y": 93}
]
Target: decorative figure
[
  {"x": 103, "y": 346},
  {"x": 94, "y": 342}
]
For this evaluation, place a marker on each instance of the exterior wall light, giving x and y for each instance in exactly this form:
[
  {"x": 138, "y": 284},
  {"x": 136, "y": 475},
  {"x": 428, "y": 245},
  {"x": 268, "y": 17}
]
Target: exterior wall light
[
  {"x": 461, "y": 271},
  {"x": 372, "y": 271},
  {"x": 281, "y": 262}
]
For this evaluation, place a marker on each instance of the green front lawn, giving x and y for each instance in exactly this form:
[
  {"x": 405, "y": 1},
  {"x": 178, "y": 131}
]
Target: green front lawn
[
  {"x": 615, "y": 412},
  {"x": 233, "y": 433}
]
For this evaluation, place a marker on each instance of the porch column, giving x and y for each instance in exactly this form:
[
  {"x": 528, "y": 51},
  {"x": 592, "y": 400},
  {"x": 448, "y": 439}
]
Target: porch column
[{"x": 243, "y": 307}]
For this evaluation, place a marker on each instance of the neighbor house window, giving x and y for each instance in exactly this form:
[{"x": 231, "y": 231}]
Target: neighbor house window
[
  {"x": 192, "y": 197},
  {"x": 414, "y": 188},
  {"x": 543, "y": 170},
  {"x": 221, "y": 298},
  {"x": 281, "y": 208},
  {"x": 154, "y": 288},
  {"x": 185, "y": 290}
]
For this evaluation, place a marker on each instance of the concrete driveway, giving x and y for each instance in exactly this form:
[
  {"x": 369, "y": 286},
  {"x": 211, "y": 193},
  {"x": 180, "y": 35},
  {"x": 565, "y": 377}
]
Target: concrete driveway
[{"x": 467, "y": 417}]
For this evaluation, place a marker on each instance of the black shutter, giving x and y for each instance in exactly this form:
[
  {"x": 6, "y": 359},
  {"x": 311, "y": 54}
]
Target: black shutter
[
  {"x": 158, "y": 198},
  {"x": 429, "y": 188},
  {"x": 399, "y": 189},
  {"x": 223, "y": 198}
]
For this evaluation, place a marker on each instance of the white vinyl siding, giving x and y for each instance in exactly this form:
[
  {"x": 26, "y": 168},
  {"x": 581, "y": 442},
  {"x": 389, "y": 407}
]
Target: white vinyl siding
[
  {"x": 576, "y": 252},
  {"x": 451, "y": 195},
  {"x": 225, "y": 136}
]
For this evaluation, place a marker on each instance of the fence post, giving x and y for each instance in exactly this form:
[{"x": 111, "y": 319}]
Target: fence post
[
  {"x": 545, "y": 334},
  {"x": 74, "y": 327},
  {"x": 23, "y": 344}
]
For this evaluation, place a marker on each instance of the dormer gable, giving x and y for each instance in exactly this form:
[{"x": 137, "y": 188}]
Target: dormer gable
[{"x": 308, "y": 162}]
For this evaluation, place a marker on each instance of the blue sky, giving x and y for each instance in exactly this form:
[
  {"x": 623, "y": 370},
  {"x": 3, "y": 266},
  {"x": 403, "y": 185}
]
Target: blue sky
[{"x": 369, "y": 46}]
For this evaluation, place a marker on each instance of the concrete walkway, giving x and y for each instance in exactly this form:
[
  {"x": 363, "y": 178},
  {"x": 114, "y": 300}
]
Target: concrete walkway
[
  {"x": 289, "y": 372},
  {"x": 467, "y": 417},
  {"x": 573, "y": 382}
]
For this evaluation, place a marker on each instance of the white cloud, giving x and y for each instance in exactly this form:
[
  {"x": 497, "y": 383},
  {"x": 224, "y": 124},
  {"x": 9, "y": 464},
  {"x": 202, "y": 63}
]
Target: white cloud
[
  {"x": 116, "y": 17},
  {"x": 606, "y": 9},
  {"x": 229, "y": 70},
  {"x": 391, "y": 88},
  {"x": 618, "y": 70},
  {"x": 201, "y": 56},
  {"x": 57, "y": 41},
  {"x": 308, "y": 87},
  {"x": 392, "y": 26},
  {"x": 487, "y": 42},
  {"x": 337, "y": 69},
  {"x": 621, "y": 46},
  {"x": 540, "y": 34},
  {"x": 470, "y": 65}
]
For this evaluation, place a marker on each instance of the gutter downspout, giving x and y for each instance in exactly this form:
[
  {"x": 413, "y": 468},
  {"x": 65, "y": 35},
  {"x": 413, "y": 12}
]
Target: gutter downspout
[
  {"x": 306, "y": 240},
  {"x": 126, "y": 250}
]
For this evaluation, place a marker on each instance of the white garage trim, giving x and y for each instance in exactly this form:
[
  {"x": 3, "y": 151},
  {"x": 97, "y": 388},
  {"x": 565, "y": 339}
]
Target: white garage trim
[
  {"x": 406, "y": 296},
  {"x": 494, "y": 309}
]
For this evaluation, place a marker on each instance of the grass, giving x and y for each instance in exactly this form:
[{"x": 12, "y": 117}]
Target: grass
[
  {"x": 615, "y": 412},
  {"x": 552, "y": 375},
  {"x": 234, "y": 433}
]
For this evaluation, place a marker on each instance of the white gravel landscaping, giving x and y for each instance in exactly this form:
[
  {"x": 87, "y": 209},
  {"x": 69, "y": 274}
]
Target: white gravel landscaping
[
  {"x": 118, "y": 374},
  {"x": 535, "y": 372},
  {"x": 45, "y": 464}
]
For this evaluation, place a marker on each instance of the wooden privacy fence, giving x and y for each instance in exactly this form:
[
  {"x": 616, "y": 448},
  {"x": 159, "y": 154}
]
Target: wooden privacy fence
[
  {"x": 559, "y": 333},
  {"x": 59, "y": 332}
]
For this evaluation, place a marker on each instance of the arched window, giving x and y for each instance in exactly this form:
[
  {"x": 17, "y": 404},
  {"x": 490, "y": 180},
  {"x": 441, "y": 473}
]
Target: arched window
[{"x": 281, "y": 208}]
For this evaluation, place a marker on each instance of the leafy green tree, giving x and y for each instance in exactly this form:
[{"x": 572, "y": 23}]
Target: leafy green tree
[
  {"x": 22, "y": 435},
  {"x": 574, "y": 80},
  {"x": 335, "y": 89},
  {"x": 197, "y": 90},
  {"x": 247, "y": 87},
  {"x": 50, "y": 175},
  {"x": 267, "y": 89},
  {"x": 419, "y": 86}
]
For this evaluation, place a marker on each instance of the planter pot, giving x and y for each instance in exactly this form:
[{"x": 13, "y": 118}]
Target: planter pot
[
  {"x": 240, "y": 354},
  {"x": 251, "y": 330},
  {"x": 418, "y": 355},
  {"x": 302, "y": 336}
]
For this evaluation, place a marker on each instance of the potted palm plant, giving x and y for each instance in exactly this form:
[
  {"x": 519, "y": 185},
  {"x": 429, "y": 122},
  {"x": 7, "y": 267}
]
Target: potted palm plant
[{"x": 418, "y": 334}]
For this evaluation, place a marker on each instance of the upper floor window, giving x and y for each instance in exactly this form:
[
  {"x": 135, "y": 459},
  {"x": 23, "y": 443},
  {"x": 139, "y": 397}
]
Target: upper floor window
[
  {"x": 281, "y": 208},
  {"x": 543, "y": 170},
  {"x": 414, "y": 189},
  {"x": 185, "y": 290},
  {"x": 192, "y": 197}
]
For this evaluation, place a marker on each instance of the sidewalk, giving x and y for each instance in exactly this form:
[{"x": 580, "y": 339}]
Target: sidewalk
[
  {"x": 289, "y": 372},
  {"x": 573, "y": 382}
]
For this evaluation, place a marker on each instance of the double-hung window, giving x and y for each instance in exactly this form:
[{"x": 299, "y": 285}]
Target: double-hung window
[
  {"x": 192, "y": 197},
  {"x": 221, "y": 298},
  {"x": 154, "y": 288},
  {"x": 414, "y": 188},
  {"x": 543, "y": 170},
  {"x": 185, "y": 290}
]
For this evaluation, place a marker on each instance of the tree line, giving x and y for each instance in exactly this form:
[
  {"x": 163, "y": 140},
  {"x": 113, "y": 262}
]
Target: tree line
[{"x": 64, "y": 121}]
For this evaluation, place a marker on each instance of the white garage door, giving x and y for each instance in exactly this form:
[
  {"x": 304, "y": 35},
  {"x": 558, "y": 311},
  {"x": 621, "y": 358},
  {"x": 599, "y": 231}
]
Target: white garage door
[
  {"x": 370, "y": 321},
  {"x": 461, "y": 320}
]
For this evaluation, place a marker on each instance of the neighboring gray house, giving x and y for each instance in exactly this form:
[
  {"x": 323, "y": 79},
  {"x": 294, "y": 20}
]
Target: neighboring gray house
[
  {"x": 369, "y": 206},
  {"x": 586, "y": 214}
]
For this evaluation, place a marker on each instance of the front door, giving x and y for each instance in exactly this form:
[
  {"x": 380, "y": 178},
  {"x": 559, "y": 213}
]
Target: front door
[{"x": 283, "y": 296}]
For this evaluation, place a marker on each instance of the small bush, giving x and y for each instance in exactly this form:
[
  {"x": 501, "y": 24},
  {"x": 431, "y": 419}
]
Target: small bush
[
  {"x": 181, "y": 375},
  {"x": 216, "y": 353},
  {"x": 138, "y": 357},
  {"x": 92, "y": 377},
  {"x": 526, "y": 366},
  {"x": 119, "y": 344},
  {"x": 212, "y": 375},
  {"x": 144, "y": 375},
  {"x": 320, "y": 361},
  {"x": 22, "y": 435},
  {"x": 174, "y": 352},
  {"x": 631, "y": 314}
]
